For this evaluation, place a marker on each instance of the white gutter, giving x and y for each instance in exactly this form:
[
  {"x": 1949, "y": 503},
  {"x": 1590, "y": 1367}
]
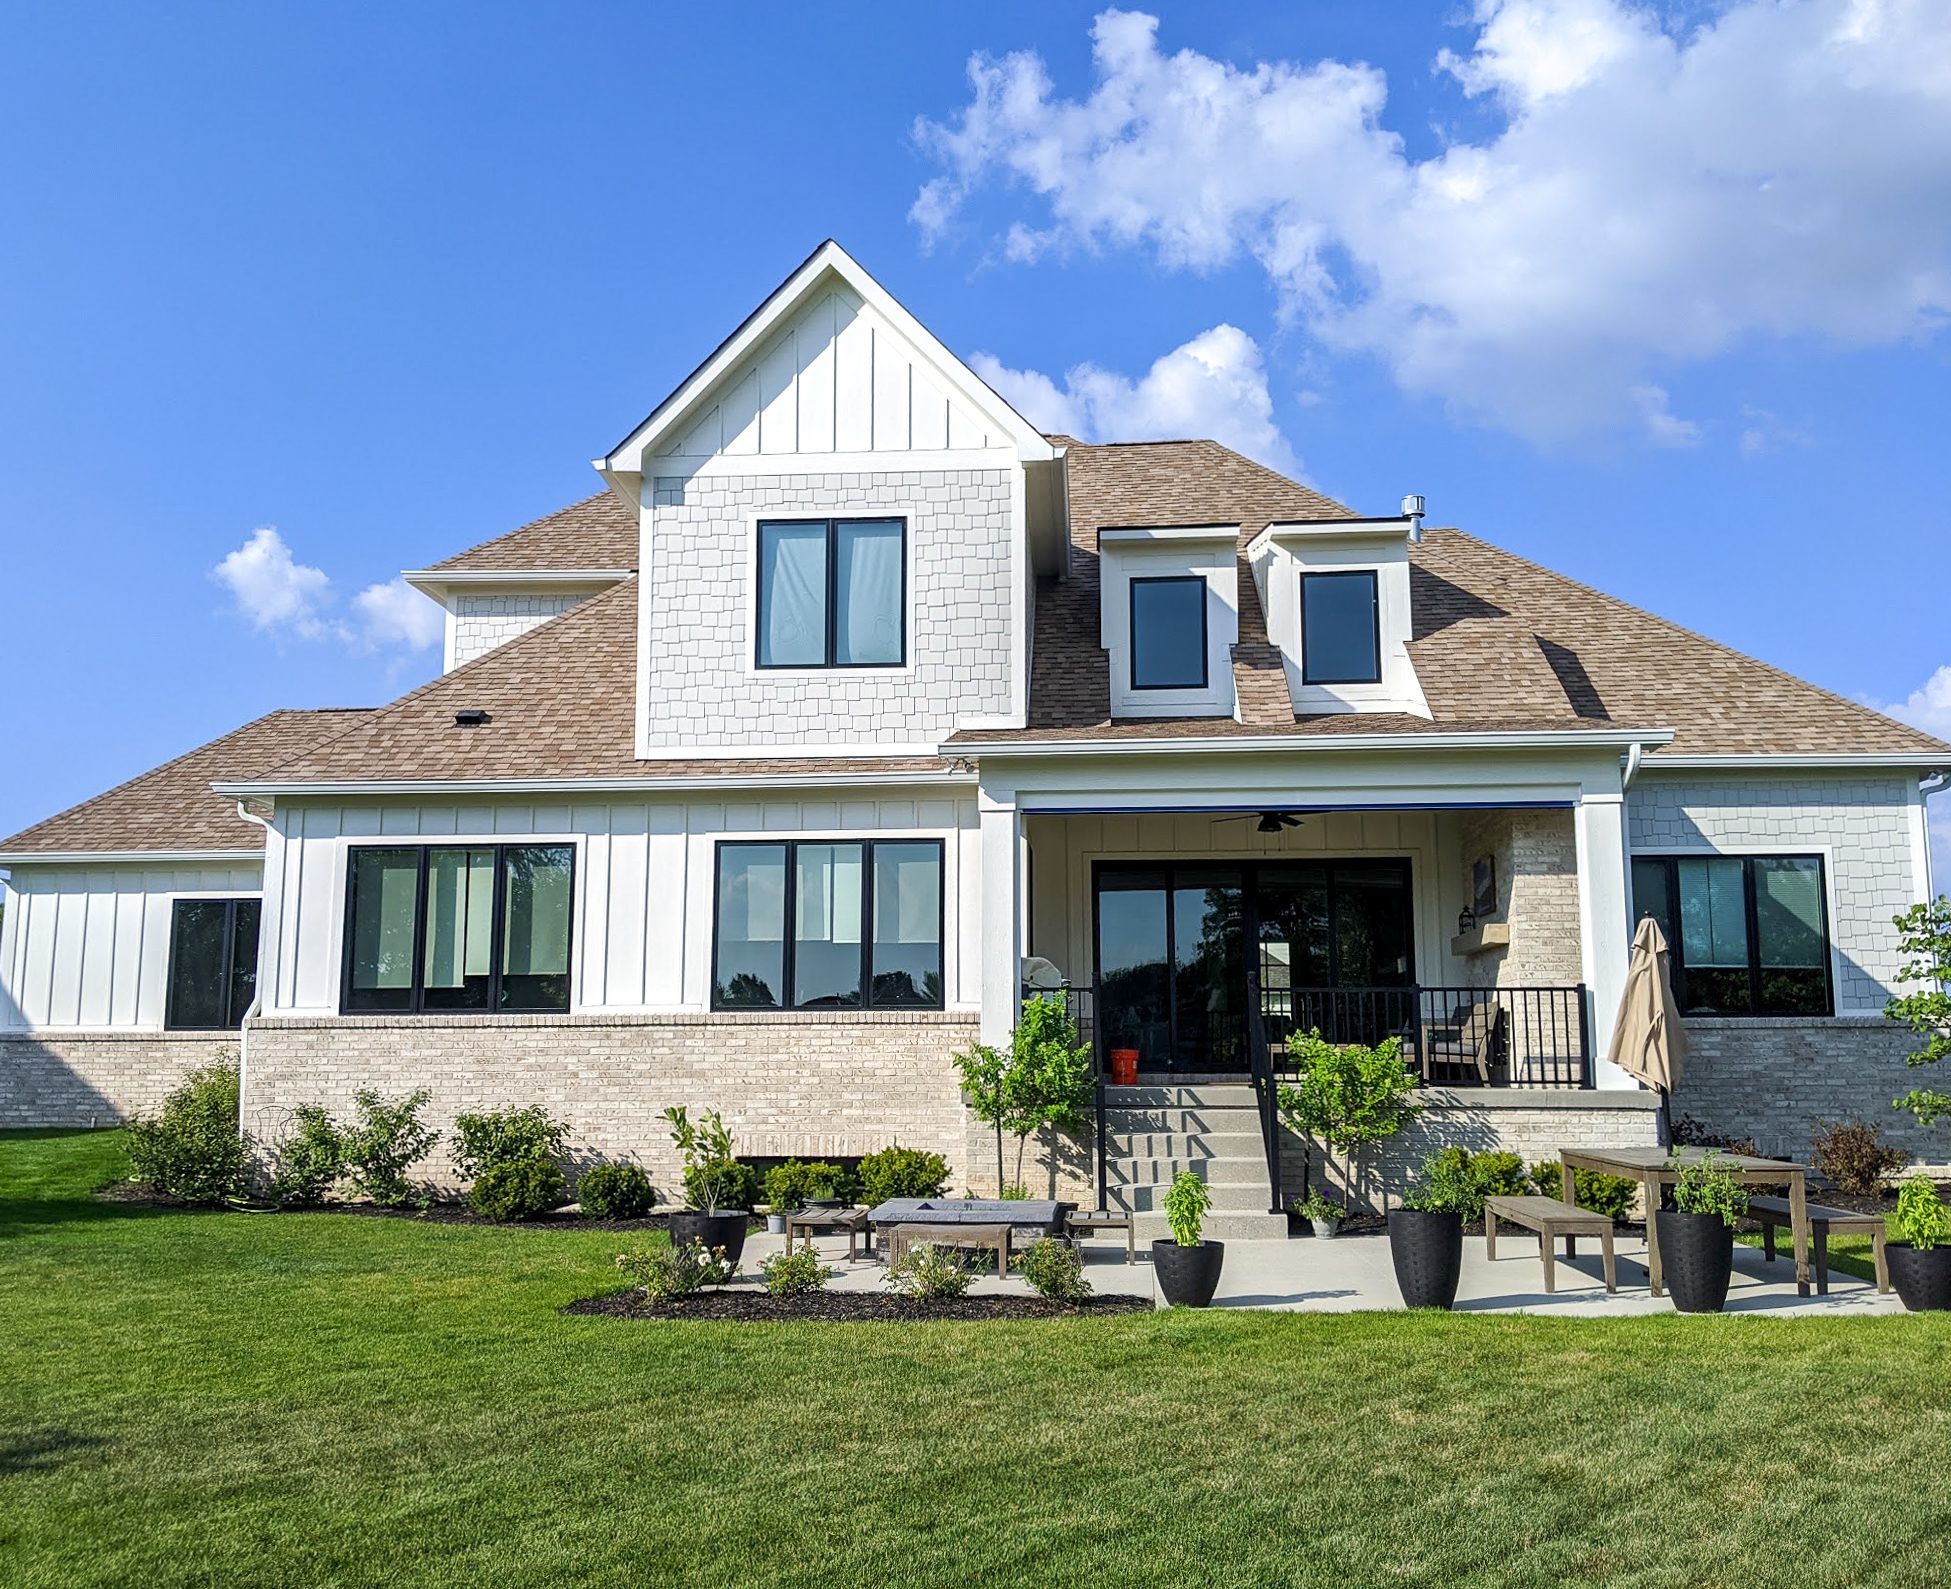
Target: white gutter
[
  {"x": 637, "y": 785},
  {"x": 429, "y": 580},
  {"x": 1928, "y": 761},
  {"x": 1538, "y": 739},
  {"x": 127, "y": 857}
]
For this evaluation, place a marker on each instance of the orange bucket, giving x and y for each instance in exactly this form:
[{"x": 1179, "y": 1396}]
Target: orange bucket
[{"x": 1124, "y": 1067}]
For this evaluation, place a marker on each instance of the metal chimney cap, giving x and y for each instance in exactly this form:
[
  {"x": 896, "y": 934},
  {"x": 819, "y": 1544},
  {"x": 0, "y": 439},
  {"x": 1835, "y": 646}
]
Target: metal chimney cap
[{"x": 1412, "y": 506}]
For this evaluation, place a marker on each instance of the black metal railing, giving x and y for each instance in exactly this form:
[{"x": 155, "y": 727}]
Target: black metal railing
[{"x": 1451, "y": 1036}]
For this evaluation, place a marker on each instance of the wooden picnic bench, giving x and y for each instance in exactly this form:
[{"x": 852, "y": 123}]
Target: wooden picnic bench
[
  {"x": 901, "y": 1237},
  {"x": 1551, "y": 1219},
  {"x": 808, "y": 1222},
  {"x": 1091, "y": 1221},
  {"x": 1774, "y": 1212}
]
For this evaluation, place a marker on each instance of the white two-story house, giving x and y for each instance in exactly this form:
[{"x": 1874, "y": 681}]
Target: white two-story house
[{"x": 757, "y": 780}]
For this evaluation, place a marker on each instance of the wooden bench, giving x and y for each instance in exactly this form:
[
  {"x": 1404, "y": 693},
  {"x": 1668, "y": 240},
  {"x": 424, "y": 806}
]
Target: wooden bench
[
  {"x": 810, "y": 1221},
  {"x": 1551, "y": 1219},
  {"x": 1090, "y": 1222},
  {"x": 902, "y": 1237},
  {"x": 1773, "y": 1213}
]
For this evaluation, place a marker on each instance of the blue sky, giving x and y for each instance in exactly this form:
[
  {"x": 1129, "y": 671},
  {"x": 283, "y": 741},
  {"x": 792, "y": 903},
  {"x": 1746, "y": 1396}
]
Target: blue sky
[{"x": 1654, "y": 301}]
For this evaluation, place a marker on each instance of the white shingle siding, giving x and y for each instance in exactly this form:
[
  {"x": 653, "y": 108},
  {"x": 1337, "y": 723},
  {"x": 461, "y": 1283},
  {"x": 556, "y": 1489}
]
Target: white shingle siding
[
  {"x": 1865, "y": 828},
  {"x": 482, "y": 622},
  {"x": 699, "y": 682}
]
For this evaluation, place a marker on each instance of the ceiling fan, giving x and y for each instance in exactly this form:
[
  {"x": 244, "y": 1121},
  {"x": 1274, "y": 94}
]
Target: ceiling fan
[{"x": 1267, "y": 821}]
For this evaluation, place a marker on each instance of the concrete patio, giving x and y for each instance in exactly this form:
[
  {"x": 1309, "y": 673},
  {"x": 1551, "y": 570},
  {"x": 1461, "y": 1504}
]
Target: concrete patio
[{"x": 1353, "y": 1272}]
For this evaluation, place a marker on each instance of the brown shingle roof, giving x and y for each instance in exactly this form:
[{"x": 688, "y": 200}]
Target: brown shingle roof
[
  {"x": 171, "y": 808},
  {"x": 561, "y": 704},
  {"x": 597, "y": 532}
]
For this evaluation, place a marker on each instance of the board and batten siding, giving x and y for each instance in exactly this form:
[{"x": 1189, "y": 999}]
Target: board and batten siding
[
  {"x": 644, "y": 882},
  {"x": 86, "y": 948}
]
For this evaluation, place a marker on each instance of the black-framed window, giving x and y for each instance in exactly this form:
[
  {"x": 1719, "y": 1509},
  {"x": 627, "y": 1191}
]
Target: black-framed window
[
  {"x": 812, "y": 924},
  {"x": 1168, "y": 632},
  {"x": 481, "y": 927},
  {"x": 1341, "y": 628},
  {"x": 212, "y": 963},
  {"x": 1748, "y": 934},
  {"x": 832, "y": 593}
]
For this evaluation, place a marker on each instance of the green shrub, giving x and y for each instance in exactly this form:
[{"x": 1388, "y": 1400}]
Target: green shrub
[
  {"x": 672, "y": 1271},
  {"x": 1611, "y": 1195},
  {"x": 795, "y": 1274},
  {"x": 1186, "y": 1202},
  {"x": 1053, "y": 1270},
  {"x": 1709, "y": 1185},
  {"x": 615, "y": 1191},
  {"x": 1853, "y": 1154},
  {"x": 1015, "y": 1192},
  {"x": 1317, "y": 1206},
  {"x": 310, "y": 1159},
  {"x": 930, "y": 1272},
  {"x": 512, "y": 1160},
  {"x": 192, "y": 1149},
  {"x": 1922, "y": 1218},
  {"x": 384, "y": 1141},
  {"x": 1500, "y": 1174},
  {"x": 797, "y": 1182},
  {"x": 901, "y": 1172},
  {"x": 1444, "y": 1185},
  {"x": 713, "y": 1177}
]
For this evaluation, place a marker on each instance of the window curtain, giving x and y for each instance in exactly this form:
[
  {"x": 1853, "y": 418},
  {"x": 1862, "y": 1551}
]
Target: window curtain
[
  {"x": 792, "y": 595},
  {"x": 867, "y": 626},
  {"x": 536, "y": 938}
]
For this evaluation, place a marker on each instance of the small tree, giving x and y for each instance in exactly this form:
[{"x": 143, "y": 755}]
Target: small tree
[
  {"x": 1347, "y": 1096},
  {"x": 1924, "y": 938},
  {"x": 983, "y": 1067},
  {"x": 1041, "y": 1081},
  {"x": 712, "y": 1173}
]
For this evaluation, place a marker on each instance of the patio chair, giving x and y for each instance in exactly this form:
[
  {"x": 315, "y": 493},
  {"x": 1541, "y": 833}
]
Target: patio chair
[{"x": 1469, "y": 1041}]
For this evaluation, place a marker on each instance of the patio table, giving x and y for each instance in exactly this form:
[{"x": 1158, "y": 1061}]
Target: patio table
[
  {"x": 1655, "y": 1168},
  {"x": 1030, "y": 1217}
]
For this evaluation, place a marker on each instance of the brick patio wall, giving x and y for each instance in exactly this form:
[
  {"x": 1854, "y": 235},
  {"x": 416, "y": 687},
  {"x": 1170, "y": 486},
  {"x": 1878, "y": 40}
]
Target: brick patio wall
[
  {"x": 810, "y": 1083},
  {"x": 97, "y": 1078}
]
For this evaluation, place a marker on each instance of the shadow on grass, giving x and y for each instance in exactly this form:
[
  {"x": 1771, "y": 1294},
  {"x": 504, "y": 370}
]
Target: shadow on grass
[{"x": 40, "y": 1449}]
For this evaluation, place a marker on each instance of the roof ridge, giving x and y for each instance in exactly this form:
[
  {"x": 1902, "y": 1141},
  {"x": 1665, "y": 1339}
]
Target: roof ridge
[{"x": 1692, "y": 634}]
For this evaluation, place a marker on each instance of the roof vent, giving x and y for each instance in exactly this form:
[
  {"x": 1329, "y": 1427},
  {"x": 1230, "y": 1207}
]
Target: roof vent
[
  {"x": 1412, "y": 510},
  {"x": 473, "y": 717}
]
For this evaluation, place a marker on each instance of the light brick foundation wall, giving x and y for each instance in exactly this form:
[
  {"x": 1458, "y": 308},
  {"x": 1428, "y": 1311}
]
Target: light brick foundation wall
[
  {"x": 1532, "y": 1122},
  {"x": 483, "y": 622},
  {"x": 809, "y": 1084},
  {"x": 1772, "y": 1080},
  {"x": 97, "y": 1078}
]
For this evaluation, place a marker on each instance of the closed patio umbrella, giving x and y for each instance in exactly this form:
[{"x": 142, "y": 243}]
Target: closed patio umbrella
[{"x": 1648, "y": 1040}]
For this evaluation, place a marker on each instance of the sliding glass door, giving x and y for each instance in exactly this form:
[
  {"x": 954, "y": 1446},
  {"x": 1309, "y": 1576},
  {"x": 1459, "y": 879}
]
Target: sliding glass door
[{"x": 1171, "y": 949}]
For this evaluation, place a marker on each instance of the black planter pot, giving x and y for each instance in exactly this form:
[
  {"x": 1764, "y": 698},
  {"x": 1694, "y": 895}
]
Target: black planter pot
[
  {"x": 1427, "y": 1250},
  {"x": 721, "y": 1229},
  {"x": 1922, "y": 1279},
  {"x": 1696, "y": 1259},
  {"x": 1188, "y": 1275}
]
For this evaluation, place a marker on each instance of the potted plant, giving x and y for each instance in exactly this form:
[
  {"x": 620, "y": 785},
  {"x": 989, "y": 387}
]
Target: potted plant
[
  {"x": 799, "y": 1184},
  {"x": 1187, "y": 1267},
  {"x": 1426, "y": 1232},
  {"x": 1920, "y": 1257},
  {"x": 712, "y": 1175},
  {"x": 1697, "y": 1233},
  {"x": 1323, "y": 1214}
]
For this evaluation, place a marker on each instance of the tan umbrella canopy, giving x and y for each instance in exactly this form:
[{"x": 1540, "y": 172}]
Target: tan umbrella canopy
[{"x": 1648, "y": 1040}]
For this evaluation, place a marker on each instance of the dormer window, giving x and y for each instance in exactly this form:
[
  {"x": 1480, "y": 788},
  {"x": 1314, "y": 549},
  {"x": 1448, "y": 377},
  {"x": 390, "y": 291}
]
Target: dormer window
[
  {"x": 1341, "y": 628},
  {"x": 832, "y": 593},
  {"x": 1168, "y": 633}
]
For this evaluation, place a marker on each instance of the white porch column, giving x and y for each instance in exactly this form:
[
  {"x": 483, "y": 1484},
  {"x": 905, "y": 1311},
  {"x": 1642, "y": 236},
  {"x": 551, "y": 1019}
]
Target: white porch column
[
  {"x": 1001, "y": 981},
  {"x": 1604, "y": 921}
]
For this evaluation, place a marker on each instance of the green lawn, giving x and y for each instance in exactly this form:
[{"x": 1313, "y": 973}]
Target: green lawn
[{"x": 234, "y": 1398}]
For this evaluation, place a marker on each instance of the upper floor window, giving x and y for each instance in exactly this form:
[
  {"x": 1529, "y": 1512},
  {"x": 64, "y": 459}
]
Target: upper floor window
[
  {"x": 1168, "y": 633},
  {"x": 828, "y": 925},
  {"x": 1749, "y": 934},
  {"x": 831, "y": 593},
  {"x": 212, "y": 963},
  {"x": 1341, "y": 628},
  {"x": 458, "y": 927}
]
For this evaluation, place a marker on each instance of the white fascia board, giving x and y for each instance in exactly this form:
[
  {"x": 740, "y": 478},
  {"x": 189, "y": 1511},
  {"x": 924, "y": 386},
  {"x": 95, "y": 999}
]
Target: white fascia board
[
  {"x": 595, "y": 786},
  {"x": 1330, "y": 529},
  {"x": 694, "y": 466},
  {"x": 829, "y": 258},
  {"x": 131, "y": 857},
  {"x": 435, "y": 581},
  {"x": 1907, "y": 761},
  {"x": 1262, "y": 744},
  {"x": 1180, "y": 534}
]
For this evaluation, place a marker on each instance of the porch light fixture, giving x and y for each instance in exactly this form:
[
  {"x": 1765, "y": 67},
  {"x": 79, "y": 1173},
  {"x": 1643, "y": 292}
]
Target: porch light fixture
[
  {"x": 1466, "y": 919},
  {"x": 471, "y": 717}
]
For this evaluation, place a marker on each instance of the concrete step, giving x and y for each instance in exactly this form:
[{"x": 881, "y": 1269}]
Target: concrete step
[
  {"x": 1181, "y": 1121},
  {"x": 1163, "y": 1167},
  {"x": 1176, "y": 1097},
  {"x": 1218, "y": 1226},
  {"x": 1238, "y": 1197},
  {"x": 1184, "y": 1144}
]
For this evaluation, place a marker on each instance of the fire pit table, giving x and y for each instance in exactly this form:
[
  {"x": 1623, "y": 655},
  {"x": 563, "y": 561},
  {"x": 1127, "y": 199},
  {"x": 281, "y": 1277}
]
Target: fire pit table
[{"x": 1028, "y": 1220}]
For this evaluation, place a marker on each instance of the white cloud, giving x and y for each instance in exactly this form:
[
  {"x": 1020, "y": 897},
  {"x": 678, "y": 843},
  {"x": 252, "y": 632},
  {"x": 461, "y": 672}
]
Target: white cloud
[
  {"x": 1213, "y": 386},
  {"x": 1929, "y": 708},
  {"x": 1767, "y": 432},
  {"x": 1649, "y": 199},
  {"x": 1663, "y": 426},
  {"x": 280, "y": 595}
]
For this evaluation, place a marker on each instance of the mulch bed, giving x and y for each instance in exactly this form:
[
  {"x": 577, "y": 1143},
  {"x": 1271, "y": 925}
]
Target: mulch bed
[{"x": 748, "y": 1305}]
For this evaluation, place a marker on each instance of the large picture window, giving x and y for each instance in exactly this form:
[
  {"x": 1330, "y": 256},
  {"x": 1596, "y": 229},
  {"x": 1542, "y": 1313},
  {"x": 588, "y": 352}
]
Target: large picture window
[
  {"x": 212, "y": 963},
  {"x": 1749, "y": 933},
  {"x": 828, "y": 924},
  {"x": 1168, "y": 633},
  {"x": 480, "y": 927},
  {"x": 1341, "y": 633},
  {"x": 831, "y": 593}
]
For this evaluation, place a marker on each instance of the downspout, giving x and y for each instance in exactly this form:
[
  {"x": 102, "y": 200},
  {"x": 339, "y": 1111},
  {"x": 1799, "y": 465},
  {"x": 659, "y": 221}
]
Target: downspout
[
  {"x": 257, "y": 992},
  {"x": 1634, "y": 752}
]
